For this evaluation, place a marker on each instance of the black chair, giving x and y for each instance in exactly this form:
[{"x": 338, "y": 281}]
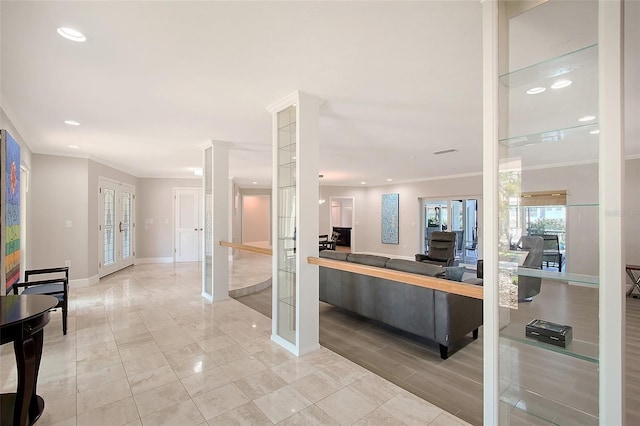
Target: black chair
[
  {"x": 56, "y": 284},
  {"x": 551, "y": 251},
  {"x": 442, "y": 249},
  {"x": 530, "y": 286}
]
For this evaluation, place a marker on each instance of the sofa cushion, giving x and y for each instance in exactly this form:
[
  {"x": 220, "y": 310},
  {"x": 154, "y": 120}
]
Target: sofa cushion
[
  {"x": 335, "y": 255},
  {"x": 367, "y": 259},
  {"x": 454, "y": 273},
  {"x": 415, "y": 267}
]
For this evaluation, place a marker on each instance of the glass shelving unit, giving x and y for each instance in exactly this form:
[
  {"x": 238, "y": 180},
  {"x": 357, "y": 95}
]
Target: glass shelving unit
[
  {"x": 548, "y": 140},
  {"x": 287, "y": 214}
]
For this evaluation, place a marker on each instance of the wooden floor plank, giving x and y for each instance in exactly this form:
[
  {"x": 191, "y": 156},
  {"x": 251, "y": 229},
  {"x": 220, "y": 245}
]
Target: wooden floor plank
[{"x": 455, "y": 384}]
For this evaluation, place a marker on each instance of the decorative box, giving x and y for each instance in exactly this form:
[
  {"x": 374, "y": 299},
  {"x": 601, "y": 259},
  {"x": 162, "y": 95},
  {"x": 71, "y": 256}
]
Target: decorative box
[{"x": 549, "y": 332}]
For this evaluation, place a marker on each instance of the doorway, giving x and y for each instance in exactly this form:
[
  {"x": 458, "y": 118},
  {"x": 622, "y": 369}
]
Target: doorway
[
  {"x": 341, "y": 220},
  {"x": 460, "y": 215},
  {"x": 115, "y": 223},
  {"x": 256, "y": 220},
  {"x": 187, "y": 242}
]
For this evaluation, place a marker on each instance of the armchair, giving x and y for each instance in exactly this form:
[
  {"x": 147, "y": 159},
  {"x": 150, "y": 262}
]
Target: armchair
[
  {"x": 530, "y": 286},
  {"x": 56, "y": 284},
  {"x": 527, "y": 286},
  {"x": 442, "y": 249}
]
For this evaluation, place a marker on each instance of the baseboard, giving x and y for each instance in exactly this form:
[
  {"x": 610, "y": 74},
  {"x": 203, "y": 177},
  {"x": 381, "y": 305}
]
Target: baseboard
[
  {"x": 140, "y": 261},
  {"x": 84, "y": 282}
]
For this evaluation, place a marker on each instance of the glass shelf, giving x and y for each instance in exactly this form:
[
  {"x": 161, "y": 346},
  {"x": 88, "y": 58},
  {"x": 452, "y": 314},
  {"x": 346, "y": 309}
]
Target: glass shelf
[
  {"x": 584, "y": 60},
  {"x": 583, "y": 205},
  {"x": 570, "y": 278},
  {"x": 557, "y": 135},
  {"x": 586, "y": 351}
]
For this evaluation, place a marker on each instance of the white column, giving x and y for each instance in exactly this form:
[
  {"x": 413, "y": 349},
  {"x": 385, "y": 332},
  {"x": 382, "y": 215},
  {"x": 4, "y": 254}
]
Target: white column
[
  {"x": 215, "y": 277},
  {"x": 490, "y": 213},
  {"x": 612, "y": 279},
  {"x": 220, "y": 220},
  {"x": 295, "y": 305}
]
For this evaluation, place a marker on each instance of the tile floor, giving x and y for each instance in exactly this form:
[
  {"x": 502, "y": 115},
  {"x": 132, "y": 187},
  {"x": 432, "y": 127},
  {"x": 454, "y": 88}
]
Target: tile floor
[{"x": 144, "y": 348}]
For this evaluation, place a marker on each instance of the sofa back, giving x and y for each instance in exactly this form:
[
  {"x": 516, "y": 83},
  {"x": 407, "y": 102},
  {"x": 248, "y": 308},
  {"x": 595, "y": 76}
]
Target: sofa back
[{"x": 415, "y": 267}]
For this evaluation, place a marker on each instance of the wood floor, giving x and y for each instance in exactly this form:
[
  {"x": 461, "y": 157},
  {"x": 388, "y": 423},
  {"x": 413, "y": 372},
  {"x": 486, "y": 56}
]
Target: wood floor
[{"x": 570, "y": 385}]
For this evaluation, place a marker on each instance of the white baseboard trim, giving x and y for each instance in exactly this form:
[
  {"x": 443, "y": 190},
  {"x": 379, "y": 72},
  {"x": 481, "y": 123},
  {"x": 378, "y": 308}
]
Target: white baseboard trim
[
  {"x": 84, "y": 282},
  {"x": 140, "y": 261}
]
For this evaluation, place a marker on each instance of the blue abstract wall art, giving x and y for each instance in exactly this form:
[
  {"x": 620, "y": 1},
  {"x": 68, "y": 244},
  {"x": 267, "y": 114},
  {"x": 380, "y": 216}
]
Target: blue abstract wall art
[{"x": 390, "y": 220}]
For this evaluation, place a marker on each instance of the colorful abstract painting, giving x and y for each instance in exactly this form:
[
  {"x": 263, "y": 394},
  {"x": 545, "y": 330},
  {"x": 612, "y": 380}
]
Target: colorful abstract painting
[
  {"x": 11, "y": 154},
  {"x": 390, "y": 206}
]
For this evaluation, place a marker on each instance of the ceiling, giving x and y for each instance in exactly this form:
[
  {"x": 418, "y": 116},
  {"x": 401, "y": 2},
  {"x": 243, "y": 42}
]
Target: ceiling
[{"x": 156, "y": 80}]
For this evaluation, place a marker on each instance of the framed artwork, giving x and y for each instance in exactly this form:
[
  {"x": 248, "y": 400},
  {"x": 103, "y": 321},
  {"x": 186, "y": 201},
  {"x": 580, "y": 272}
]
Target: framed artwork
[
  {"x": 10, "y": 210},
  {"x": 390, "y": 220}
]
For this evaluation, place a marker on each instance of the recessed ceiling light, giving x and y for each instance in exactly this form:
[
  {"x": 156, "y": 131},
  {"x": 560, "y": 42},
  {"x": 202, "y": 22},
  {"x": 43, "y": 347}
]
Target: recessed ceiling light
[
  {"x": 254, "y": 182},
  {"x": 74, "y": 146},
  {"x": 389, "y": 180},
  {"x": 71, "y": 34},
  {"x": 587, "y": 118},
  {"x": 595, "y": 132},
  {"x": 561, "y": 84},
  {"x": 535, "y": 90},
  {"x": 363, "y": 183},
  {"x": 197, "y": 171},
  {"x": 71, "y": 122}
]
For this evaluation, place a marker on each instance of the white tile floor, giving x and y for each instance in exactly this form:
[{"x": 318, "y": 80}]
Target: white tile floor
[{"x": 144, "y": 348}]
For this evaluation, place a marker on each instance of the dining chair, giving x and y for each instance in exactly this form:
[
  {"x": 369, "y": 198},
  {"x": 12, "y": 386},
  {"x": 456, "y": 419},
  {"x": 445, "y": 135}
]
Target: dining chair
[{"x": 54, "y": 283}]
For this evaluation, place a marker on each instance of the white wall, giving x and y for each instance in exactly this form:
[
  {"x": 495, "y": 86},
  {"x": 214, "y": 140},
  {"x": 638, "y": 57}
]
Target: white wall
[
  {"x": 256, "y": 219},
  {"x": 59, "y": 194},
  {"x": 154, "y": 203}
]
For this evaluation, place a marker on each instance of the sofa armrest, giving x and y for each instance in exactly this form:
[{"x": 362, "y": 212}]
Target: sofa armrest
[{"x": 455, "y": 316}]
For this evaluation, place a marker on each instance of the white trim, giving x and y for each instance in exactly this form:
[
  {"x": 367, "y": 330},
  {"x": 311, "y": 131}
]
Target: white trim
[
  {"x": 612, "y": 301},
  {"x": 491, "y": 346},
  {"x": 143, "y": 260},
  {"x": 207, "y": 296},
  {"x": 84, "y": 282}
]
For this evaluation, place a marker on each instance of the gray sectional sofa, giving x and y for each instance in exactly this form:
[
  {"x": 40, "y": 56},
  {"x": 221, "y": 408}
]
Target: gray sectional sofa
[{"x": 433, "y": 314}]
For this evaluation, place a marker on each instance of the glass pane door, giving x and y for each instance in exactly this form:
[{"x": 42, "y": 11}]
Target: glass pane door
[
  {"x": 116, "y": 222},
  {"x": 109, "y": 235}
]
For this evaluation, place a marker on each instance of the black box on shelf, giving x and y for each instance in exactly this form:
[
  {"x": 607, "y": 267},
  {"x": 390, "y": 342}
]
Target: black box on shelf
[{"x": 549, "y": 332}]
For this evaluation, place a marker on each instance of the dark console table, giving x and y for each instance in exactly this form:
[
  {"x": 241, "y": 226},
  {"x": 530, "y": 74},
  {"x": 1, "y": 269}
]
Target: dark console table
[
  {"x": 345, "y": 236},
  {"x": 22, "y": 321}
]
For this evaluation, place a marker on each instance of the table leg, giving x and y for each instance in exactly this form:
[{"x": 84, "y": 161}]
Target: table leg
[{"x": 28, "y": 353}]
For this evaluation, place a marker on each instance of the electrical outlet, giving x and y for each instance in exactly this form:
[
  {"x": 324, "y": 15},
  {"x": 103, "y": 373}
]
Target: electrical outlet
[{"x": 67, "y": 263}]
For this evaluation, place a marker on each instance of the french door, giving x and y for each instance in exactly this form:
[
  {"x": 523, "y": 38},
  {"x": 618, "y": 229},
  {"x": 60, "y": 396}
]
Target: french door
[
  {"x": 460, "y": 215},
  {"x": 115, "y": 226}
]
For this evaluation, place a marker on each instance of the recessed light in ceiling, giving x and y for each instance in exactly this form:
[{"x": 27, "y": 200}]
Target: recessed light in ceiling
[
  {"x": 254, "y": 183},
  {"x": 71, "y": 122},
  {"x": 74, "y": 146},
  {"x": 560, "y": 84},
  {"x": 71, "y": 34},
  {"x": 587, "y": 118},
  {"x": 389, "y": 180},
  {"x": 363, "y": 183},
  {"x": 535, "y": 90},
  {"x": 197, "y": 171},
  {"x": 444, "y": 151},
  {"x": 595, "y": 132}
]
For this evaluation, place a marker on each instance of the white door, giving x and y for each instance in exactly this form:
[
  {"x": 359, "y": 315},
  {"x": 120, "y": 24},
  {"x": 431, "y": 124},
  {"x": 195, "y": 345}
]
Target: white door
[
  {"x": 115, "y": 226},
  {"x": 188, "y": 224}
]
